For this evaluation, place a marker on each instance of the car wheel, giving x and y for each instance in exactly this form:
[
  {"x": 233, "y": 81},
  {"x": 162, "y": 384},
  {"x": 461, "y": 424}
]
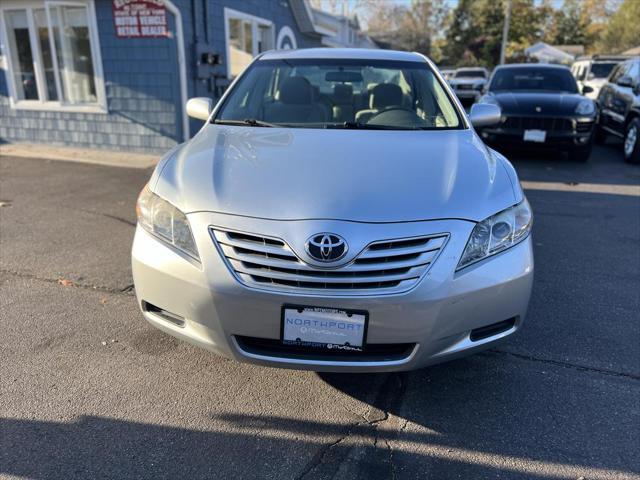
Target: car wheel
[
  {"x": 580, "y": 154},
  {"x": 599, "y": 135},
  {"x": 632, "y": 142}
]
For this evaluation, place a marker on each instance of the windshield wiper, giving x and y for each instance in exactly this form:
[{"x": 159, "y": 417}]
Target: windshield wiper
[
  {"x": 366, "y": 126},
  {"x": 251, "y": 122}
]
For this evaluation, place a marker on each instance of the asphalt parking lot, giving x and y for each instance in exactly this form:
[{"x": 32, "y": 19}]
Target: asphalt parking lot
[{"x": 90, "y": 390}]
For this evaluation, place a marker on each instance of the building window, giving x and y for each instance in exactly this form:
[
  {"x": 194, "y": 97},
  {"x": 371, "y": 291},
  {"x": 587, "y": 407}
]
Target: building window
[
  {"x": 53, "y": 55},
  {"x": 247, "y": 36}
]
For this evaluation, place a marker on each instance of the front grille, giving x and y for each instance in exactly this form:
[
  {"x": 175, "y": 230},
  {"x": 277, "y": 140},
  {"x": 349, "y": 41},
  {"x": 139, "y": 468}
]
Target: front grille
[
  {"x": 387, "y": 266},
  {"x": 464, "y": 86},
  {"x": 584, "y": 127},
  {"x": 538, "y": 123},
  {"x": 384, "y": 352}
]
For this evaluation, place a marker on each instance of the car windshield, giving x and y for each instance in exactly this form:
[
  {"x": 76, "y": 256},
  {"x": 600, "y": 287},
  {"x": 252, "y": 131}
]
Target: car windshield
[
  {"x": 324, "y": 93},
  {"x": 601, "y": 70},
  {"x": 470, "y": 74},
  {"x": 533, "y": 79}
]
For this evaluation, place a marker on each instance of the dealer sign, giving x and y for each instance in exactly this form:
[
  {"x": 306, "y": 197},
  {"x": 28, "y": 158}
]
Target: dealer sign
[{"x": 140, "y": 18}]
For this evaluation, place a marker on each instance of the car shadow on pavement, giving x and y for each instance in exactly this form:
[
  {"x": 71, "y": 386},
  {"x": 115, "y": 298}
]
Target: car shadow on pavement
[
  {"x": 468, "y": 419},
  {"x": 435, "y": 422}
]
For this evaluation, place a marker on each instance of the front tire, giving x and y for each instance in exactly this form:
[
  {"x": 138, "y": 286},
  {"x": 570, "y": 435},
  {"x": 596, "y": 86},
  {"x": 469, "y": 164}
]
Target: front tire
[{"x": 631, "y": 146}]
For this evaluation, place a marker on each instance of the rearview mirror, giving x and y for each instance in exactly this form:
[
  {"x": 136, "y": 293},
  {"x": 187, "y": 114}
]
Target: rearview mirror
[
  {"x": 343, "y": 77},
  {"x": 587, "y": 89},
  {"x": 200, "y": 108},
  {"x": 484, "y": 114},
  {"x": 625, "y": 81}
]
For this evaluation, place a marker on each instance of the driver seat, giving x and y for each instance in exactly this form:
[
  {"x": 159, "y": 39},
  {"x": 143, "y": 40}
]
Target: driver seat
[{"x": 384, "y": 95}]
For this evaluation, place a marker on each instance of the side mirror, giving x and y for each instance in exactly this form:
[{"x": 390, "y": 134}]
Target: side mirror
[
  {"x": 587, "y": 89},
  {"x": 484, "y": 114},
  {"x": 200, "y": 108},
  {"x": 625, "y": 81}
]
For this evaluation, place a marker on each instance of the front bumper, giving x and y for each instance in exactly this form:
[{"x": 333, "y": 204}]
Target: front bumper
[
  {"x": 577, "y": 135},
  {"x": 466, "y": 95},
  {"x": 436, "y": 317}
]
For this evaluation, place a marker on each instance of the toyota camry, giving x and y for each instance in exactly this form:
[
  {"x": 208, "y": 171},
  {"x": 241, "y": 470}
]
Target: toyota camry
[{"x": 337, "y": 212}]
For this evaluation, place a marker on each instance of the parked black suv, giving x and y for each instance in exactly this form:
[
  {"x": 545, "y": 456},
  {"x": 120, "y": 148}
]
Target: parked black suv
[{"x": 619, "y": 103}]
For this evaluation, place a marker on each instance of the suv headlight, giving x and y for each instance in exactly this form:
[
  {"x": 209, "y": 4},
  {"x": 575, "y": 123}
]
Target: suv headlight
[
  {"x": 585, "y": 107},
  {"x": 497, "y": 233},
  {"x": 166, "y": 222}
]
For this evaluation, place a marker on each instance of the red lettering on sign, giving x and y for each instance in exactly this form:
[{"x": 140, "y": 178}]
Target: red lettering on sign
[{"x": 140, "y": 18}]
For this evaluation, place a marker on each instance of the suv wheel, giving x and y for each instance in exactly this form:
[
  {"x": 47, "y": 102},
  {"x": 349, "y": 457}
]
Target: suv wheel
[
  {"x": 580, "y": 154},
  {"x": 632, "y": 142}
]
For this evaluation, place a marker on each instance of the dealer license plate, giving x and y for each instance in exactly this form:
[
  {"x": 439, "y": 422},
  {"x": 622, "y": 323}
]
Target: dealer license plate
[
  {"x": 323, "y": 327},
  {"x": 538, "y": 136}
]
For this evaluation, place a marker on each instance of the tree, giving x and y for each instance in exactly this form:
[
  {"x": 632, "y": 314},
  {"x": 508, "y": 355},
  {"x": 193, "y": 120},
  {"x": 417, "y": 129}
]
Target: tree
[
  {"x": 475, "y": 33},
  {"x": 412, "y": 27},
  {"x": 623, "y": 29},
  {"x": 570, "y": 24}
]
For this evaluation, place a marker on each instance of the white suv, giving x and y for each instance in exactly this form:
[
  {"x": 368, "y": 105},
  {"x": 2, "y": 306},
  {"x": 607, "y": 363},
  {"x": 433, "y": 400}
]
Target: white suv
[{"x": 593, "y": 72}]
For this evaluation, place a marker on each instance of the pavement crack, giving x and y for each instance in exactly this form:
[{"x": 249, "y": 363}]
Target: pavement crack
[
  {"x": 128, "y": 290},
  {"x": 113, "y": 217},
  {"x": 392, "y": 465},
  {"x": 318, "y": 458},
  {"x": 559, "y": 363},
  {"x": 388, "y": 398}
]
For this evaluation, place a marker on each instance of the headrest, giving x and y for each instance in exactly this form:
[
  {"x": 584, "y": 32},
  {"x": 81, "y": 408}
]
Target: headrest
[
  {"x": 296, "y": 90},
  {"x": 385, "y": 95},
  {"x": 343, "y": 93}
]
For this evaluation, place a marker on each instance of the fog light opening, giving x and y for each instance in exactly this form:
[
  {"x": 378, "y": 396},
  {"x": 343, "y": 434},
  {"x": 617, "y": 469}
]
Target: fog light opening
[
  {"x": 172, "y": 318},
  {"x": 492, "y": 330}
]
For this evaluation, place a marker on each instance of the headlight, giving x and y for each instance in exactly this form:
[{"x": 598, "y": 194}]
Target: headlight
[
  {"x": 585, "y": 107},
  {"x": 160, "y": 218},
  {"x": 497, "y": 233}
]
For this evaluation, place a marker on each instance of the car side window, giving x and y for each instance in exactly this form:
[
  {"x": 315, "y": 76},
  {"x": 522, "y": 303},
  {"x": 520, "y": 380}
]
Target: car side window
[
  {"x": 618, "y": 72},
  {"x": 634, "y": 72}
]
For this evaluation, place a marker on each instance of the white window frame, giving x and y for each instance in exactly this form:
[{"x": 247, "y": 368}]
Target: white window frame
[
  {"x": 256, "y": 22},
  {"x": 100, "y": 106}
]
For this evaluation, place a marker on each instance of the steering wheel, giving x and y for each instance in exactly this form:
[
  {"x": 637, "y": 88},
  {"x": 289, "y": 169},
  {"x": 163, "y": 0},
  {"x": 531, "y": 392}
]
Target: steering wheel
[{"x": 395, "y": 115}]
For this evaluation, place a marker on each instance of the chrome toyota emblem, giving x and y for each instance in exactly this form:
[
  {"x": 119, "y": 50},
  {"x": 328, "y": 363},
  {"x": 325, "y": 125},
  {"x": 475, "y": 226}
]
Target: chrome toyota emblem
[{"x": 326, "y": 247}]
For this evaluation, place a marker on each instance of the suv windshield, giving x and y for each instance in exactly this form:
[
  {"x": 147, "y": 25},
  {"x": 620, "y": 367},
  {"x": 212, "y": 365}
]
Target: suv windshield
[
  {"x": 601, "y": 70},
  {"x": 470, "y": 74},
  {"x": 533, "y": 79},
  {"x": 306, "y": 93}
]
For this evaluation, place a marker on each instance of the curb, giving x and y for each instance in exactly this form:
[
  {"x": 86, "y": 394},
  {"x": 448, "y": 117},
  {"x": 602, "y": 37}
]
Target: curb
[{"x": 81, "y": 155}]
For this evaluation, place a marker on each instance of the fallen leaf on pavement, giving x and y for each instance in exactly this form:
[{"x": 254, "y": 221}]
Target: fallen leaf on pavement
[{"x": 65, "y": 282}]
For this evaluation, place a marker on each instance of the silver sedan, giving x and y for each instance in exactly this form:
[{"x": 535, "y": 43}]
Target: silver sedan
[{"x": 336, "y": 212}]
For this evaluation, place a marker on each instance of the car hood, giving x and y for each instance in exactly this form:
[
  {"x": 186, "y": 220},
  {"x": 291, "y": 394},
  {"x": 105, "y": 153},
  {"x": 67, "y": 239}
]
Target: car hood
[
  {"x": 356, "y": 175},
  {"x": 467, "y": 80},
  {"x": 595, "y": 82},
  {"x": 524, "y": 103}
]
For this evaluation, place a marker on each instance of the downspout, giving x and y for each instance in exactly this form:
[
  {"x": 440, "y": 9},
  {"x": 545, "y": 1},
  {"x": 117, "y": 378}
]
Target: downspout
[{"x": 182, "y": 66}]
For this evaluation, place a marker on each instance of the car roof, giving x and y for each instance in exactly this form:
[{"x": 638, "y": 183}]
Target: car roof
[
  {"x": 342, "y": 53},
  {"x": 529, "y": 65},
  {"x": 462, "y": 69}
]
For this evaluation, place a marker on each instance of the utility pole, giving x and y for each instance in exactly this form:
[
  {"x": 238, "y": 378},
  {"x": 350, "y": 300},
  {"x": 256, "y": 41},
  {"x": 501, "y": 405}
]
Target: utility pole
[{"x": 505, "y": 31}]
